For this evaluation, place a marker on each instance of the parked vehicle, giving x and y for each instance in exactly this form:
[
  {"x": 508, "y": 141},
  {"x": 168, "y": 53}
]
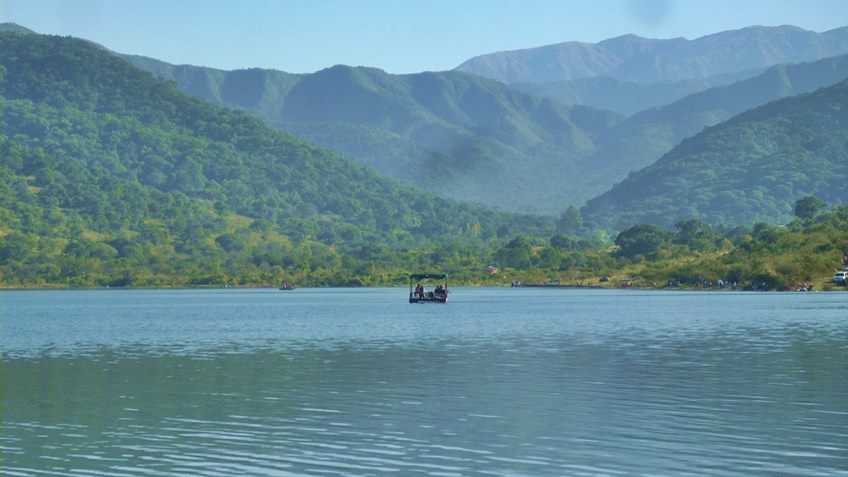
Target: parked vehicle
[{"x": 841, "y": 277}]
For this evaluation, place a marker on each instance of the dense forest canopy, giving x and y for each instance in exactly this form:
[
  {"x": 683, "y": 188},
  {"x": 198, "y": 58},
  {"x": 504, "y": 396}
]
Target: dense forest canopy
[{"x": 97, "y": 150}]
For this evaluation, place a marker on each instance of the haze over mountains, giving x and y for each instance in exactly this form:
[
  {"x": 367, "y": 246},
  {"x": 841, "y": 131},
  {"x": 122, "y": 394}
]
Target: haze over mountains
[
  {"x": 644, "y": 137},
  {"x": 625, "y": 97},
  {"x": 452, "y": 133},
  {"x": 750, "y": 168},
  {"x": 629, "y": 73},
  {"x": 474, "y": 139},
  {"x": 462, "y": 137},
  {"x": 646, "y": 60}
]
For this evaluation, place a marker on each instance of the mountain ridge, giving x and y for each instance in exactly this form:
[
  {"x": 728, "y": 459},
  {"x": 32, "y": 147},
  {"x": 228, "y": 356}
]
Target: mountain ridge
[
  {"x": 455, "y": 134},
  {"x": 645, "y": 60},
  {"x": 624, "y": 96}
]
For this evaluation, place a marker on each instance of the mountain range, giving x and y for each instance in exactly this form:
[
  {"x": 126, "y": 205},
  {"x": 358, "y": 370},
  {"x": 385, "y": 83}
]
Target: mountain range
[
  {"x": 464, "y": 137},
  {"x": 646, "y": 60},
  {"x": 451, "y": 133},
  {"x": 629, "y": 74}
]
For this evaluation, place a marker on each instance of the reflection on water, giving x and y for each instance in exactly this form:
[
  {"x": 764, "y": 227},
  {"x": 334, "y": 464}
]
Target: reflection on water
[{"x": 357, "y": 382}]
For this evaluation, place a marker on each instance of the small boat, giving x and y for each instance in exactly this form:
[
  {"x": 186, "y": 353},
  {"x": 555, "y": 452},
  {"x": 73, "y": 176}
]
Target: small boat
[
  {"x": 287, "y": 286},
  {"x": 418, "y": 294}
]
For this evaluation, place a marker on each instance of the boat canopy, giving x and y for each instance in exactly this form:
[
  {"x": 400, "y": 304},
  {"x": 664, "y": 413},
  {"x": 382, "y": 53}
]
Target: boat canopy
[
  {"x": 419, "y": 295},
  {"x": 424, "y": 276}
]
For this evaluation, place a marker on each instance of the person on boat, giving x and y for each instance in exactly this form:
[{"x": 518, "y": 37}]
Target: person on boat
[
  {"x": 419, "y": 291},
  {"x": 440, "y": 290}
]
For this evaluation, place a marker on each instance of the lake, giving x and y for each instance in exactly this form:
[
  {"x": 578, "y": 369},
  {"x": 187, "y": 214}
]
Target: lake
[{"x": 358, "y": 382}]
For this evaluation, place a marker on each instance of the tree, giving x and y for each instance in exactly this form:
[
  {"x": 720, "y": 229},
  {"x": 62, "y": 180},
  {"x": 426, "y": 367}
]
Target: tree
[
  {"x": 567, "y": 244},
  {"x": 548, "y": 257},
  {"x": 764, "y": 232},
  {"x": 15, "y": 246},
  {"x": 643, "y": 239},
  {"x": 807, "y": 208},
  {"x": 515, "y": 254},
  {"x": 231, "y": 242},
  {"x": 695, "y": 234},
  {"x": 570, "y": 221}
]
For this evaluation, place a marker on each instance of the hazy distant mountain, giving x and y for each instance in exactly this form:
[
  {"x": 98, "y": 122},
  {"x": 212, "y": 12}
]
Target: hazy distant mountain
[
  {"x": 643, "y": 60},
  {"x": 644, "y": 137},
  {"x": 456, "y": 134},
  {"x": 750, "y": 168},
  {"x": 625, "y": 97}
]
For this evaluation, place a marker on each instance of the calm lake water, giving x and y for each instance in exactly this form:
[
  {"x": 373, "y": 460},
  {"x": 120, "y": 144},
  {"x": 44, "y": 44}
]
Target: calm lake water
[{"x": 359, "y": 382}]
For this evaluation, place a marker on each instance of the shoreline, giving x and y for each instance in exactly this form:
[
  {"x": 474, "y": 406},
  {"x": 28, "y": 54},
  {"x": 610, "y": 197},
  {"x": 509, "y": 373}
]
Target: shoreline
[{"x": 826, "y": 288}]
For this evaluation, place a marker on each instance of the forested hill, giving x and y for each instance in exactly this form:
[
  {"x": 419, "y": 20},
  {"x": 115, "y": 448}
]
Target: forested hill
[
  {"x": 452, "y": 133},
  {"x": 644, "y": 137},
  {"x": 104, "y": 164},
  {"x": 750, "y": 168}
]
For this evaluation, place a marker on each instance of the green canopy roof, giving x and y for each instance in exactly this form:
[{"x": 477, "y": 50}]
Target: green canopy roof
[{"x": 422, "y": 276}]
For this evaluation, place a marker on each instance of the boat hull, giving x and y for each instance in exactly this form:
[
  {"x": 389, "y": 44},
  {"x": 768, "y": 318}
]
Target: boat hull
[{"x": 435, "y": 299}]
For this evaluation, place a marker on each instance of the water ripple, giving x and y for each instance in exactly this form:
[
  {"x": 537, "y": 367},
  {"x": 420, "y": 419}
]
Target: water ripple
[{"x": 219, "y": 383}]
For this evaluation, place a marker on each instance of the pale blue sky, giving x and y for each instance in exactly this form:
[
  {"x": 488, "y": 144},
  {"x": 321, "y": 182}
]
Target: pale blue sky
[{"x": 399, "y": 36}]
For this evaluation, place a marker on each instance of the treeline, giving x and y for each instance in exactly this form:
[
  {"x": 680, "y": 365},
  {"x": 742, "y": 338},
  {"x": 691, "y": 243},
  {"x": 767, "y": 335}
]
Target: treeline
[
  {"x": 802, "y": 254},
  {"x": 234, "y": 250},
  {"x": 761, "y": 256}
]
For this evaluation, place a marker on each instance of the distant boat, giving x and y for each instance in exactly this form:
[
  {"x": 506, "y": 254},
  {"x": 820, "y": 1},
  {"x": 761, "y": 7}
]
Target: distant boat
[
  {"x": 418, "y": 294},
  {"x": 287, "y": 286}
]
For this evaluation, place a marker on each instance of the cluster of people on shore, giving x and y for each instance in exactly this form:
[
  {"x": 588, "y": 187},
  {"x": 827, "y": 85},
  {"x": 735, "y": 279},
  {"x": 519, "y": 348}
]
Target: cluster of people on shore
[
  {"x": 734, "y": 285},
  {"x": 701, "y": 283}
]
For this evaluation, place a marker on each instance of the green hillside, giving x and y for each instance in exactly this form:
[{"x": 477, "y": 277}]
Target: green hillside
[
  {"x": 748, "y": 169},
  {"x": 454, "y": 134},
  {"x": 644, "y": 137},
  {"x": 107, "y": 172}
]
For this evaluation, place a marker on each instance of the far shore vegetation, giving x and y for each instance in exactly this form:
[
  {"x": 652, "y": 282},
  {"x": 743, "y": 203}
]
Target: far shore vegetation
[{"x": 693, "y": 255}]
